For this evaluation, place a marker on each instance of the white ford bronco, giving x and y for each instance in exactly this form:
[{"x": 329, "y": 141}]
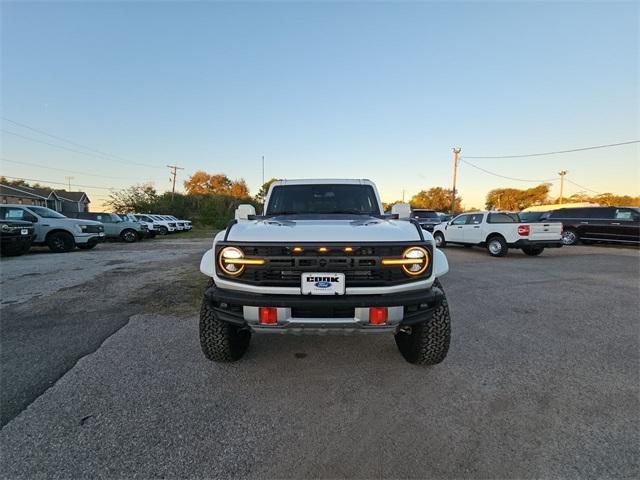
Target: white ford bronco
[{"x": 323, "y": 258}]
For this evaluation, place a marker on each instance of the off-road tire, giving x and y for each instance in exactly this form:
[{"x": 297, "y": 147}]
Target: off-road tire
[
  {"x": 86, "y": 246},
  {"x": 569, "y": 237},
  {"x": 163, "y": 230},
  {"x": 497, "y": 246},
  {"x": 428, "y": 343},
  {"x": 221, "y": 341},
  {"x": 129, "y": 235},
  {"x": 533, "y": 251},
  {"x": 440, "y": 236},
  {"x": 60, "y": 242}
]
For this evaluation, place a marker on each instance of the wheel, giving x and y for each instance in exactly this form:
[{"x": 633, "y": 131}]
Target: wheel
[
  {"x": 569, "y": 237},
  {"x": 533, "y": 251},
  {"x": 129, "y": 235},
  {"x": 427, "y": 343},
  {"x": 86, "y": 246},
  {"x": 440, "y": 241},
  {"x": 163, "y": 230},
  {"x": 59, "y": 242},
  {"x": 497, "y": 246},
  {"x": 221, "y": 341}
]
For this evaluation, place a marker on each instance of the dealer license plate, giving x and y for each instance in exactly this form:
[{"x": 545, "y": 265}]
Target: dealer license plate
[
  {"x": 24, "y": 231},
  {"x": 322, "y": 283}
]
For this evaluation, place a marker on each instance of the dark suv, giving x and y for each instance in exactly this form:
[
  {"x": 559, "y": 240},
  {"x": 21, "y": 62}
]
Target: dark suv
[
  {"x": 597, "y": 224},
  {"x": 426, "y": 218}
]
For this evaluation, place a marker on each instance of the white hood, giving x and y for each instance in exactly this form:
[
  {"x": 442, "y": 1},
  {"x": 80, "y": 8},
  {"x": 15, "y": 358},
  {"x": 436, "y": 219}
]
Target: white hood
[{"x": 366, "y": 229}]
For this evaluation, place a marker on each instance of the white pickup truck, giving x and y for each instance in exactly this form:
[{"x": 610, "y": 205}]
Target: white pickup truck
[
  {"x": 323, "y": 258},
  {"x": 498, "y": 231}
]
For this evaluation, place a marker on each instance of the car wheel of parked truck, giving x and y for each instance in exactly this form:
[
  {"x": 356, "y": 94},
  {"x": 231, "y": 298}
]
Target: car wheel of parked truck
[
  {"x": 59, "y": 242},
  {"x": 427, "y": 343},
  {"x": 569, "y": 237},
  {"x": 439, "y": 239},
  {"x": 129, "y": 235},
  {"x": 497, "y": 246}
]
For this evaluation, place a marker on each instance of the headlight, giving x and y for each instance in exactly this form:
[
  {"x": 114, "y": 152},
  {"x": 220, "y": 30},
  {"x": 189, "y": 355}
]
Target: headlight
[
  {"x": 414, "y": 261},
  {"x": 232, "y": 261}
]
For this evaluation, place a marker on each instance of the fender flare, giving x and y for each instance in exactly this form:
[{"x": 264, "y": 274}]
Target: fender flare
[
  {"x": 440, "y": 263},
  {"x": 206, "y": 264}
]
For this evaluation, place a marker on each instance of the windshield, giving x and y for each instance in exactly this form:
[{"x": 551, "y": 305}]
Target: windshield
[
  {"x": 530, "y": 216},
  {"x": 425, "y": 214},
  {"x": 323, "y": 199},
  {"x": 46, "y": 212}
]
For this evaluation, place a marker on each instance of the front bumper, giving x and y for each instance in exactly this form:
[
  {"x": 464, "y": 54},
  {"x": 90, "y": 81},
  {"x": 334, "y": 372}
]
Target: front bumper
[
  {"x": 537, "y": 243},
  {"x": 405, "y": 309},
  {"x": 90, "y": 238}
]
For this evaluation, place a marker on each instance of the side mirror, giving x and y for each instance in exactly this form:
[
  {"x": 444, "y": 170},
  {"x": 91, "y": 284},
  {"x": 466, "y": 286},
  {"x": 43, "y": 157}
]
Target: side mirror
[
  {"x": 403, "y": 210},
  {"x": 243, "y": 211}
]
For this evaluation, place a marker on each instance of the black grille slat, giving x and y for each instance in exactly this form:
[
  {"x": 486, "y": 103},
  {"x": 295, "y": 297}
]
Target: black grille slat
[{"x": 324, "y": 312}]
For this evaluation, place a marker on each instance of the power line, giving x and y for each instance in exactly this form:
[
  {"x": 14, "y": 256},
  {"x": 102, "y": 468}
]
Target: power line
[
  {"x": 100, "y": 155},
  {"x": 558, "y": 151},
  {"x": 4, "y": 159},
  {"x": 580, "y": 186},
  {"x": 55, "y": 183},
  {"x": 504, "y": 176}
]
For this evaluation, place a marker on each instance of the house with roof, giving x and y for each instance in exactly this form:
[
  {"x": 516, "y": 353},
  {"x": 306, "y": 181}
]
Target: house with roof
[{"x": 58, "y": 200}]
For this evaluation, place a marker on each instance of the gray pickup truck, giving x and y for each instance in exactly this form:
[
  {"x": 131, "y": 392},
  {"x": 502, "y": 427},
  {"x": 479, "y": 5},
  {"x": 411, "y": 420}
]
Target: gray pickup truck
[
  {"x": 59, "y": 233},
  {"x": 115, "y": 227}
]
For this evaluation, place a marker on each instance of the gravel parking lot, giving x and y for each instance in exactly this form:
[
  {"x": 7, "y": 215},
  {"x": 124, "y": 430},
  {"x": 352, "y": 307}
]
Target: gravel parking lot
[{"x": 102, "y": 376}]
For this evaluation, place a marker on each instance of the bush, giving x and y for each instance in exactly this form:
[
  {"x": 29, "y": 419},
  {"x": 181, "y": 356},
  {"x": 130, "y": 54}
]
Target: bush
[{"x": 210, "y": 210}]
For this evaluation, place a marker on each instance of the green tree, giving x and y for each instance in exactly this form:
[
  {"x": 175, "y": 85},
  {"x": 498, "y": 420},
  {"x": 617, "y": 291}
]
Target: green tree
[
  {"x": 436, "y": 198},
  {"x": 264, "y": 189},
  {"x": 137, "y": 198},
  {"x": 516, "y": 199}
]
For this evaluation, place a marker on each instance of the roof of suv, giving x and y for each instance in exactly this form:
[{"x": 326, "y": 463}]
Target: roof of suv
[{"x": 320, "y": 181}]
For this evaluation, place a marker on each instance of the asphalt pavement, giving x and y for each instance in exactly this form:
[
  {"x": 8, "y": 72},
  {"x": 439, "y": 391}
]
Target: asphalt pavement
[{"x": 541, "y": 381}]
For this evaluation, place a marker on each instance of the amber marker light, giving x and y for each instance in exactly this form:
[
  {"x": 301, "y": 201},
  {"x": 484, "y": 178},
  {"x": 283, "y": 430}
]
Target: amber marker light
[
  {"x": 323, "y": 249},
  {"x": 348, "y": 249},
  {"x": 297, "y": 250}
]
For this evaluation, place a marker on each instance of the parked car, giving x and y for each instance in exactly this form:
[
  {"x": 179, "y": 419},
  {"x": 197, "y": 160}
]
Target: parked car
[
  {"x": 445, "y": 217},
  {"x": 426, "y": 218},
  {"x": 595, "y": 224},
  {"x": 59, "y": 233},
  {"x": 115, "y": 227},
  {"x": 178, "y": 224},
  {"x": 15, "y": 237},
  {"x": 324, "y": 258},
  {"x": 499, "y": 231},
  {"x": 186, "y": 223},
  {"x": 148, "y": 225},
  {"x": 164, "y": 226}
]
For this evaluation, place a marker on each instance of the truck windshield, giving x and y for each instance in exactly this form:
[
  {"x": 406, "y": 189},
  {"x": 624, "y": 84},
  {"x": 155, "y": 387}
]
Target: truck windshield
[
  {"x": 323, "y": 199},
  {"x": 46, "y": 212},
  {"x": 425, "y": 214}
]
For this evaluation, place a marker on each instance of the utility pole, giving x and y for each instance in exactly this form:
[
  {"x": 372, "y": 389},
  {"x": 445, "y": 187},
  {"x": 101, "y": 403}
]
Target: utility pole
[
  {"x": 262, "y": 169},
  {"x": 68, "y": 180},
  {"x": 562, "y": 173},
  {"x": 456, "y": 155},
  {"x": 174, "y": 173},
  {"x": 403, "y": 195}
]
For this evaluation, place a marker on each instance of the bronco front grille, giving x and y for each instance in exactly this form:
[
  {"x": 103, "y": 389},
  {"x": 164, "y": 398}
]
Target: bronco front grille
[{"x": 362, "y": 266}]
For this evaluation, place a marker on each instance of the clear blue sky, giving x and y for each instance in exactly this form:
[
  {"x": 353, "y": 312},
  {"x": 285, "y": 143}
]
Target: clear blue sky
[{"x": 377, "y": 90}]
